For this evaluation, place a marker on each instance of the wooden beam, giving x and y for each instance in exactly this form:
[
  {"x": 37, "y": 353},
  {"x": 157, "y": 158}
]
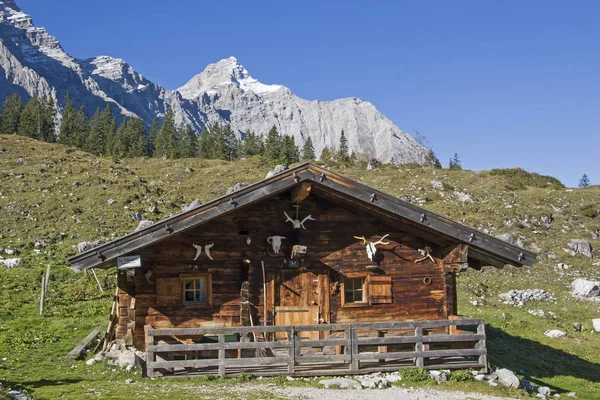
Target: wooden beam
[
  {"x": 79, "y": 348},
  {"x": 457, "y": 260},
  {"x": 301, "y": 192}
]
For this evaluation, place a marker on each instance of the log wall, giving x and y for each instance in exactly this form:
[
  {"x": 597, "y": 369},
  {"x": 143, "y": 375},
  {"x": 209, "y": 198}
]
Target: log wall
[{"x": 401, "y": 289}]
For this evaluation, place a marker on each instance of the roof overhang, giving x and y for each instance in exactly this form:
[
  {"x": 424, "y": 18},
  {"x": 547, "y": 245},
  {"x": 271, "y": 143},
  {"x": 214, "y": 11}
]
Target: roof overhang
[{"x": 485, "y": 248}]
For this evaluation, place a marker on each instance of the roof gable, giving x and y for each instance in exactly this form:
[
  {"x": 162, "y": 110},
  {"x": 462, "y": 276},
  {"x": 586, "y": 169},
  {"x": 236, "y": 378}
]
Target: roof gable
[{"x": 485, "y": 248}]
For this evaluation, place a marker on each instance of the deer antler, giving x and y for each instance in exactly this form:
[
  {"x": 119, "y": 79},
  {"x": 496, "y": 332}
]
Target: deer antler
[
  {"x": 288, "y": 217},
  {"x": 361, "y": 238},
  {"x": 307, "y": 219},
  {"x": 380, "y": 241}
]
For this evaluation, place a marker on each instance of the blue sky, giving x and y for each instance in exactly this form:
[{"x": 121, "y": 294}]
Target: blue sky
[{"x": 502, "y": 83}]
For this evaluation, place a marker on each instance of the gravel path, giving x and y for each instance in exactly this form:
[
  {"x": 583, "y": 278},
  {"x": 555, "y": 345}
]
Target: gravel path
[{"x": 394, "y": 393}]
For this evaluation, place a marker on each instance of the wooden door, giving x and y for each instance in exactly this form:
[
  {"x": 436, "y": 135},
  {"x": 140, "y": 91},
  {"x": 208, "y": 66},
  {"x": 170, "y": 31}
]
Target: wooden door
[
  {"x": 293, "y": 315},
  {"x": 298, "y": 301}
]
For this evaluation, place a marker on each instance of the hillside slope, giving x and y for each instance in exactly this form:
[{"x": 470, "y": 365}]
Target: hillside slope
[{"x": 53, "y": 197}]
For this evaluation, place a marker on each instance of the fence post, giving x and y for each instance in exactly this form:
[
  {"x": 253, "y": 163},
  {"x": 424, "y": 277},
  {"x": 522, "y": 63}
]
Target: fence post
[
  {"x": 354, "y": 362},
  {"x": 150, "y": 356},
  {"x": 291, "y": 337},
  {"x": 482, "y": 345},
  {"x": 221, "y": 355},
  {"x": 419, "y": 347}
]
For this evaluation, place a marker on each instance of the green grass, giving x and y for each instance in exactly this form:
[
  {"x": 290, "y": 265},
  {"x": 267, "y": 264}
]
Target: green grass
[{"x": 41, "y": 199}]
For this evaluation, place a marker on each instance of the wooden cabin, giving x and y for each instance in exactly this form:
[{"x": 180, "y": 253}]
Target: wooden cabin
[{"x": 304, "y": 248}]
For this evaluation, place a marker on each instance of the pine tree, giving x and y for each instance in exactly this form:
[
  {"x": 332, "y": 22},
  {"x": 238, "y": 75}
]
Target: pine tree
[
  {"x": 584, "y": 181},
  {"x": 188, "y": 142},
  {"x": 166, "y": 140},
  {"x": 205, "y": 144},
  {"x": 231, "y": 143},
  {"x": 82, "y": 127},
  {"x": 432, "y": 161},
  {"x": 47, "y": 114},
  {"x": 455, "y": 162},
  {"x": 253, "y": 145},
  {"x": 326, "y": 154},
  {"x": 308, "y": 151},
  {"x": 289, "y": 151},
  {"x": 218, "y": 146},
  {"x": 68, "y": 129},
  {"x": 96, "y": 140},
  {"x": 272, "y": 146},
  {"x": 121, "y": 141},
  {"x": 11, "y": 114},
  {"x": 30, "y": 121},
  {"x": 138, "y": 138},
  {"x": 152, "y": 134},
  {"x": 343, "y": 153}
]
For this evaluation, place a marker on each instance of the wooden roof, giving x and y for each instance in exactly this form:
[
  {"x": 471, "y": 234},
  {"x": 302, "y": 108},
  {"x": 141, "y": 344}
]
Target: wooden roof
[{"x": 485, "y": 249}]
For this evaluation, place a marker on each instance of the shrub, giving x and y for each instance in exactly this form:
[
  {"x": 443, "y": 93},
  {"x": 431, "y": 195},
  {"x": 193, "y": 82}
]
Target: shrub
[
  {"x": 519, "y": 179},
  {"x": 414, "y": 374},
  {"x": 245, "y": 377},
  {"x": 461, "y": 375},
  {"x": 590, "y": 210}
]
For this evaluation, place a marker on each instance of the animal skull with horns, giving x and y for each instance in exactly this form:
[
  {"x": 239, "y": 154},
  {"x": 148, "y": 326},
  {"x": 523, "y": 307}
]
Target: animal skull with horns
[
  {"x": 372, "y": 246},
  {"x": 296, "y": 222}
]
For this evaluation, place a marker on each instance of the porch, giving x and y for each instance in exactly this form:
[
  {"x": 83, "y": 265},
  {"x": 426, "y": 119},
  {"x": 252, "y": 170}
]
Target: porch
[{"x": 345, "y": 349}]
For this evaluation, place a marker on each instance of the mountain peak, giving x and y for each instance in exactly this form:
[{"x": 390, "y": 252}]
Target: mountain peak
[{"x": 223, "y": 73}]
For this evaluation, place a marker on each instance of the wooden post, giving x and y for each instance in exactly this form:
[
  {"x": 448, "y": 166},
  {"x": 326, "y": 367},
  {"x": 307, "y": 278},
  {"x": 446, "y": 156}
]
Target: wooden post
[
  {"x": 482, "y": 345},
  {"x": 222, "y": 355},
  {"x": 354, "y": 362},
  {"x": 419, "y": 347},
  {"x": 150, "y": 356},
  {"x": 291, "y": 350},
  {"x": 262, "y": 263},
  {"x": 97, "y": 281},
  {"x": 45, "y": 280},
  {"x": 381, "y": 349}
]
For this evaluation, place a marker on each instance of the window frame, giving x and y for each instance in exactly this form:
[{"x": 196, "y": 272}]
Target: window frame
[
  {"x": 365, "y": 294},
  {"x": 208, "y": 301}
]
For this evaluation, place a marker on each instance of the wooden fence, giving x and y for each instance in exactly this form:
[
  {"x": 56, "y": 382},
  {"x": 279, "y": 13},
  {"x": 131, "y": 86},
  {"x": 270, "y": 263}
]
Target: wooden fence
[{"x": 347, "y": 348}]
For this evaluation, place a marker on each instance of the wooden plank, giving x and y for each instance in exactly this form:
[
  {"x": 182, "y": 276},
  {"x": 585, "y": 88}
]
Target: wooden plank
[
  {"x": 386, "y": 356},
  {"x": 79, "y": 348},
  {"x": 419, "y": 362},
  {"x": 161, "y": 348}
]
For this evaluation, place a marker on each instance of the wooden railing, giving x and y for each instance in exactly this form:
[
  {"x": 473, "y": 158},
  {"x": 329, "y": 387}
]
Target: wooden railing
[{"x": 359, "y": 348}]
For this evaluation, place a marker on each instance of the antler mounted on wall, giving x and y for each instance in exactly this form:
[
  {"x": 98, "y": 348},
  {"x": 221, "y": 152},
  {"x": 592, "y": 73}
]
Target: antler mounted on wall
[
  {"x": 296, "y": 222},
  {"x": 372, "y": 246}
]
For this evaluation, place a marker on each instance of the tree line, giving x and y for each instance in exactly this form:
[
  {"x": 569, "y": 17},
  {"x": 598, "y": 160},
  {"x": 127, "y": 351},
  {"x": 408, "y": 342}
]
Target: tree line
[{"x": 101, "y": 135}]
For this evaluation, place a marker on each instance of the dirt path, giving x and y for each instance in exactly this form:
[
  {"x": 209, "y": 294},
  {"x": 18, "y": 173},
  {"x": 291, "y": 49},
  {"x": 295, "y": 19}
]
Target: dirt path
[{"x": 393, "y": 393}]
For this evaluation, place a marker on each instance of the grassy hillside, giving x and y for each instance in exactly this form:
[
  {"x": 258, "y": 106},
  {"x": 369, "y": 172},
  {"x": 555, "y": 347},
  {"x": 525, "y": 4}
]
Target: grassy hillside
[{"x": 61, "y": 196}]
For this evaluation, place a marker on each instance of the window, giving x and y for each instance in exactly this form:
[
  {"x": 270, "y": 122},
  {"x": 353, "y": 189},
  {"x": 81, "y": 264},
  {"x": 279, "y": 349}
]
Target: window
[
  {"x": 194, "y": 290},
  {"x": 354, "y": 290}
]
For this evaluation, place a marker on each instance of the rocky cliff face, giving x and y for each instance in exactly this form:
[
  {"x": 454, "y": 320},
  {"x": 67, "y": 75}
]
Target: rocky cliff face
[{"x": 34, "y": 63}]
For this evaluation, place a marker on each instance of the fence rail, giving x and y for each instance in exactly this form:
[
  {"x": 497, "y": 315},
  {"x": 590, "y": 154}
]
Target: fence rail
[{"x": 351, "y": 348}]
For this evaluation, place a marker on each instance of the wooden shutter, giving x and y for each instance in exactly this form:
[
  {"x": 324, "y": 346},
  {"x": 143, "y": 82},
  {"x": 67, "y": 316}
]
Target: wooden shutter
[
  {"x": 379, "y": 289},
  {"x": 168, "y": 291}
]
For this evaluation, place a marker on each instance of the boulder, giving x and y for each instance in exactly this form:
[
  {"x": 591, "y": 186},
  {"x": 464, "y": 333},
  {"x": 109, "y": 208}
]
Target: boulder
[
  {"x": 43, "y": 241},
  {"x": 585, "y": 288},
  {"x": 437, "y": 185},
  {"x": 136, "y": 216},
  {"x": 372, "y": 164},
  {"x": 507, "y": 377},
  {"x": 373, "y": 383},
  {"x": 277, "y": 170},
  {"x": 236, "y": 187},
  {"x": 126, "y": 358},
  {"x": 519, "y": 297},
  {"x": 507, "y": 237},
  {"x": 21, "y": 161},
  {"x": 85, "y": 246},
  {"x": 581, "y": 246},
  {"x": 11, "y": 262},
  {"x": 438, "y": 376},
  {"x": 464, "y": 197},
  {"x": 18, "y": 395},
  {"x": 596, "y": 324},
  {"x": 544, "y": 390},
  {"x": 143, "y": 225},
  {"x": 555, "y": 333},
  {"x": 194, "y": 204},
  {"x": 341, "y": 383},
  {"x": 110, "y": 202}
]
